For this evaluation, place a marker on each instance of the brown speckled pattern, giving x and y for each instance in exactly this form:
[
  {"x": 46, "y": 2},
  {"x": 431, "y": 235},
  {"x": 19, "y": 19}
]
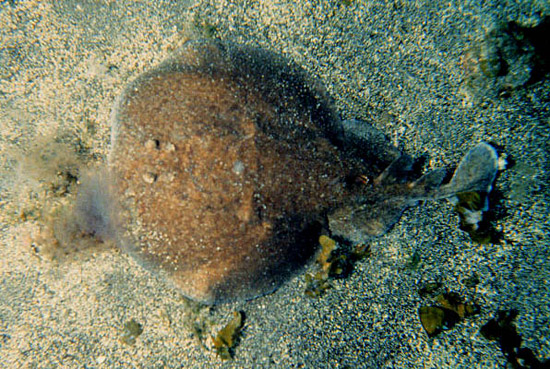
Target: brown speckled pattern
[{"x": 223, "y": 171}]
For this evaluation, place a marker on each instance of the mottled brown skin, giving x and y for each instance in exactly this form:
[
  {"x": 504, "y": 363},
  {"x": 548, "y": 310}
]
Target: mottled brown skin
[{"x": 224, "y": 171}]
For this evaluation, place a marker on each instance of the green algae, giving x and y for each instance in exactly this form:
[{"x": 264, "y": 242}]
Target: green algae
[
  {"x": 436, "y": 319},
  {"x": 227, "y": 338},
  {"x": 449, "y": 311},
  {"x": 334, "y": 261}
]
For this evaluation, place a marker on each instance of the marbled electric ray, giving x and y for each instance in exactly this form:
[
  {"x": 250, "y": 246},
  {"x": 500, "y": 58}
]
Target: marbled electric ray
[{"x": 227, "y": 162}]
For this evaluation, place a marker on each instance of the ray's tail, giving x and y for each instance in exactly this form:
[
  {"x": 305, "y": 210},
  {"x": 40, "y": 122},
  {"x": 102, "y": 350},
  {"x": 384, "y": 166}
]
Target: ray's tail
[{"x": 375, "y": 212}]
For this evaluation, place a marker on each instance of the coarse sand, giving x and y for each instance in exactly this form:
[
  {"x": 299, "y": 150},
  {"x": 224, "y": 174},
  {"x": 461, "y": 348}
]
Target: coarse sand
[{"x": 434, "y": 77}]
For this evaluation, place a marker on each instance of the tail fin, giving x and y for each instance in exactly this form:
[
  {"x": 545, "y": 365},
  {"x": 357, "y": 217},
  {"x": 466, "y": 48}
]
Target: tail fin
[{"x": 475, "y": 173}]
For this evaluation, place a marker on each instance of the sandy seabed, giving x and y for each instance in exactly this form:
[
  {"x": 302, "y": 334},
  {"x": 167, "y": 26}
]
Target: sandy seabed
[{"x": 415, "y": 70}]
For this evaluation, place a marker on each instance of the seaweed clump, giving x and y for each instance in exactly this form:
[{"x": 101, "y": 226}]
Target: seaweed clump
[
  {"x": 334, "y": 260},
  {"x": 449, "y": 311},
  {"x": 227, "y": 338}
]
